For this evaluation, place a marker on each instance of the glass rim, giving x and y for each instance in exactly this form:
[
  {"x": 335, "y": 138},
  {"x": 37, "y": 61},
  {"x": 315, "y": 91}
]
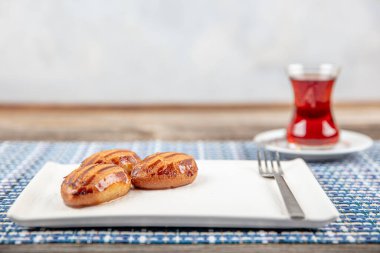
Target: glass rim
[{"x": 296, "y": 69}]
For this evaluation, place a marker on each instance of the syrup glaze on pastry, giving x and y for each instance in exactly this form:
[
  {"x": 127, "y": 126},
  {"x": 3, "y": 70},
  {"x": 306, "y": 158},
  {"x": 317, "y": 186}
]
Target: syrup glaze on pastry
[
  {"x": 94, "y": 184},
  {"x": 121, "y": 157},
  {"x": 164, "y": 170}
]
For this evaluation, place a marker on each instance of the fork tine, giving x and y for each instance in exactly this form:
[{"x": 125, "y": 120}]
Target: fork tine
[
  {"x": 278, "y": 163},
  {"x": 271, "y": 158},
  {"x": 267, "y": 169},
  {"x": 259, "y": 159}
]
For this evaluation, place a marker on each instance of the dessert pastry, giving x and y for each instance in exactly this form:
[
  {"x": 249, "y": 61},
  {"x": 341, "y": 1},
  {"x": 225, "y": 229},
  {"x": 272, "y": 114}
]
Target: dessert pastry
[
  {"x": 164, "y": 170},
  {"x": 94, "y": 184},
  {"x": 121, "y": 157}
]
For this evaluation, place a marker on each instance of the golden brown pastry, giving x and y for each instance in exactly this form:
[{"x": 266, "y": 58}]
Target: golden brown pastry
[
  {"x": 164, "y": 170},
  {"x": 94, "y": 184},
  {"x": 121, "y": 157}
]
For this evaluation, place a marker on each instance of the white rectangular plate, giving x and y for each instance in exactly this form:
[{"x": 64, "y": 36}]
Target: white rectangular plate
[{"x": 225, "y": 194}]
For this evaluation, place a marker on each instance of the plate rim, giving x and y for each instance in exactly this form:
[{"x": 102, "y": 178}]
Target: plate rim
[{"x": 316, "y": 152}]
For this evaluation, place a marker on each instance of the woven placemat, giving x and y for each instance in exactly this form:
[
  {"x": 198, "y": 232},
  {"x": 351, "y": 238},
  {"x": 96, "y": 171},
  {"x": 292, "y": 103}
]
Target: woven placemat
[{"x": 353, "y": 185}]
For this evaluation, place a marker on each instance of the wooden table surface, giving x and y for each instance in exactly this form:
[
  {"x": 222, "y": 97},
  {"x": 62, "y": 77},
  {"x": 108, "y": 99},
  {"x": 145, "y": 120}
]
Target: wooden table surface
[
  {"x": 123, "y": 123},
  {"x": 206, "y": 122}
]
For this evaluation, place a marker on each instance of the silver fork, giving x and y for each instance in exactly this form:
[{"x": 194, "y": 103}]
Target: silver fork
[{"x": 268, "y": 170}]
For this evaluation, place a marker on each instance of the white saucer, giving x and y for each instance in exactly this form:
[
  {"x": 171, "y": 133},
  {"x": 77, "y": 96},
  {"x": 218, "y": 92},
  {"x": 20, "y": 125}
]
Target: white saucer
[{"x": 349, "y": 143}]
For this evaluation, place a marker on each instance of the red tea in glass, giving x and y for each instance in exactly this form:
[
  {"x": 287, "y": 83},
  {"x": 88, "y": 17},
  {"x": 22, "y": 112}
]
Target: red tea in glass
[{"x": 312, "y": 124}]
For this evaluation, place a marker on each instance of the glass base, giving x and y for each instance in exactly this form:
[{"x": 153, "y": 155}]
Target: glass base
[{"x": 297, "y": 146}]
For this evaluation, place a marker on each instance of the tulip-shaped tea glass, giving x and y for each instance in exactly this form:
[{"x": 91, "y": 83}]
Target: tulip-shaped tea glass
[{"x": 312, "y": 125}]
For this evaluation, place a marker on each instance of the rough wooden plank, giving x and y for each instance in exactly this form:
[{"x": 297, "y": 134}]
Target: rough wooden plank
[{"x": 184, "y": 123}]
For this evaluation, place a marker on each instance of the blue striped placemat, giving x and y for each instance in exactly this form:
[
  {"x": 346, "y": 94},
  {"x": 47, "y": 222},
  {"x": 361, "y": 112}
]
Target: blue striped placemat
[{"x": 353, "y": 185}]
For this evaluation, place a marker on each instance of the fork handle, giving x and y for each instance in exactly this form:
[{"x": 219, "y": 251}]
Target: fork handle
[{"x": 291, "y": 203}]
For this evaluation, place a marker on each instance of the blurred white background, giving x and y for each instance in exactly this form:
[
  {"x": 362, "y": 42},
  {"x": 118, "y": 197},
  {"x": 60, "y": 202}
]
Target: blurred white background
[{"x": 171, "y": 51}]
